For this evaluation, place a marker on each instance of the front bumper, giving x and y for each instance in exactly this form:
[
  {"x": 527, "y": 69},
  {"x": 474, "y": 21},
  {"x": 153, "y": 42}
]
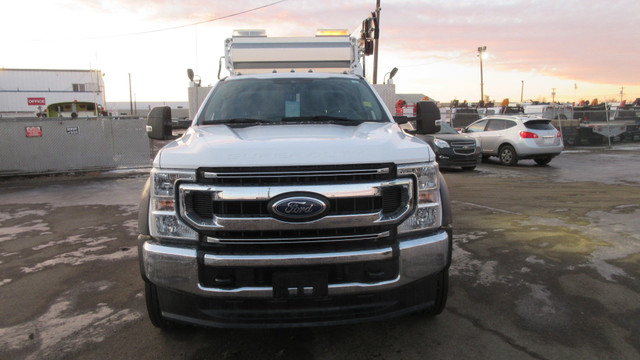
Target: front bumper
[
  {"x": 447, "y": 157},
  {"x": 176, "y": 273}
]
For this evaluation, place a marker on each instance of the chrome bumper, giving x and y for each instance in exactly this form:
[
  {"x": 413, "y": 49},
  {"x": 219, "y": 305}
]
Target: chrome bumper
[{"x": 177, "y": 268}]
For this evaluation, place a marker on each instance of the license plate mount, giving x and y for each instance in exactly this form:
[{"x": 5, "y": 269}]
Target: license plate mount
[{"x": 300, "y": 285}]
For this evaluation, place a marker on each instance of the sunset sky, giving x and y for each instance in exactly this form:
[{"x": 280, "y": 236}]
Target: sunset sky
[{"x": 584, "y": 49}]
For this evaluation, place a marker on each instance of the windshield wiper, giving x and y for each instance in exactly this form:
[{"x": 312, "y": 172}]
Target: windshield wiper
[
  {"x": 325, "y": 119},
  {"x": 240, "y": 121}
]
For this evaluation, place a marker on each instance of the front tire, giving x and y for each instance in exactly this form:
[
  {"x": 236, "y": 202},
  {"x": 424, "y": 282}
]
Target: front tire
[
  {"x": 153, "y": 308},
  {"x": 508, "y": 155},
  {"x": 442, "y": 292}
]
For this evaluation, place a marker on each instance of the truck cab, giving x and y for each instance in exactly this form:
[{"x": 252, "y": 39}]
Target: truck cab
[{"x": 294, "y": 199}]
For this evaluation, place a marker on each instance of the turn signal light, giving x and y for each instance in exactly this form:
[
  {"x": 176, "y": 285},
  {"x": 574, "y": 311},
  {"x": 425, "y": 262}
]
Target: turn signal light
[{"x": 165, "y": 205}]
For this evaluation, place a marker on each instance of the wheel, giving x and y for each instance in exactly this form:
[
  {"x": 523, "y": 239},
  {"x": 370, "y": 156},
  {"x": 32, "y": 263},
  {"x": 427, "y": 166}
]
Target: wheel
[
  {"x": 507, "y": 155},
  {"x": 543, "y": 160},
  {"x": 153, "y": 308},
  {"x": 442, "y": 292},
  {"x": 468, "y": 168}
]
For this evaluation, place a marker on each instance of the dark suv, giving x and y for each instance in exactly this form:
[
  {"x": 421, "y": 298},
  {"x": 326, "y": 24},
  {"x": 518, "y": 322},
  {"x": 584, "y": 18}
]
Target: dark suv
[{"x": 454, "y": 149}]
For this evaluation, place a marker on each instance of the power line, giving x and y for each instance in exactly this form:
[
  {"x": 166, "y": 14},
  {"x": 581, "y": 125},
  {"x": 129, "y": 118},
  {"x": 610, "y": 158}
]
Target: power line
[{"x": 187, "y": 25}]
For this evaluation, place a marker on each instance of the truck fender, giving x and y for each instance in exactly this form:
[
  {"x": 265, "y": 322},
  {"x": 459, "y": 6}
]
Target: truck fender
[
  {"x": 143, "y": 209},
  {"x": 447, "y": 214},
  {"x": 143, "y": 224},
  {"x": 447, "y": 217}
]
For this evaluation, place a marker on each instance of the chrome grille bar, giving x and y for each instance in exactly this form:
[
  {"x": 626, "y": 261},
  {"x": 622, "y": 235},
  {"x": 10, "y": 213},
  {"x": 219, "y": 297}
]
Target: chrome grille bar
[
  {"x": 315, "y": 239},
  {"x": 252, "y": 193},
  {"x": 349, "y": 172}
]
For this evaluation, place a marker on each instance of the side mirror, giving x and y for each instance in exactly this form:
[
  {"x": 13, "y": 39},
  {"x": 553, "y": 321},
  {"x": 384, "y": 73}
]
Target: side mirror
[
  {"x": 159, "y": 123},
  {"x": 427, "y": 117},
  {"x": 401, "y": 119}
]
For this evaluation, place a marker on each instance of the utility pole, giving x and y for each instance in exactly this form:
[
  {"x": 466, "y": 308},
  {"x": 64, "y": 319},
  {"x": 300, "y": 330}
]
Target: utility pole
[
  {"x": 130, "y": 97},
  {"x": 481, "y": 51},
  {"x": 521, "y": 91},
  {"x": 377, "y": 44},
  {"x": 553, "y": 95},
  {"x": 621, "y": 93}
]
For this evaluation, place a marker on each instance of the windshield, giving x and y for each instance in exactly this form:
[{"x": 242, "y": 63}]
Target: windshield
[
  {"x": 446, "y": 129},
  {"x": 254, "y": 101},
  {"x": 543, "y": 124}
]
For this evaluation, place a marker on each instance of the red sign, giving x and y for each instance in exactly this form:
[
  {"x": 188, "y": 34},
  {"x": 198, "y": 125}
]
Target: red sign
[
  {"x": 36, "y": 101},
  {"x": 33, "y": 131}
]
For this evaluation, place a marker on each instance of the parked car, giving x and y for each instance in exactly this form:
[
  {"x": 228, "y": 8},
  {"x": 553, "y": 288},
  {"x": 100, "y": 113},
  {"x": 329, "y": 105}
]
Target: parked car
[
  {"x": 513, "y": 138},
  {"x": 459, "y": 117},
  {"x": 454, "y": 149}
]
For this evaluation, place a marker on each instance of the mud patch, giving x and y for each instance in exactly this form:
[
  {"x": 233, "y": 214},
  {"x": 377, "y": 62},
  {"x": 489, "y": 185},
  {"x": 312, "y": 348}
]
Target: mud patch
[
  {"x": 62, "y": 329},
  {"x": 466, "y": 264},
  {"x": 540, "y": 309},
  {"x": 84, "y": 255},
  {"x": 614, "y": 297}
]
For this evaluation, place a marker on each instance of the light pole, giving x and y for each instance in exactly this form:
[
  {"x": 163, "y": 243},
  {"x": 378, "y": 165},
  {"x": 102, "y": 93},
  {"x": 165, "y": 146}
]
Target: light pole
[
  {"x": 391, "y": 74},
  {"x": 521, "y": 91},
  {"x": 481, "y": 51}
]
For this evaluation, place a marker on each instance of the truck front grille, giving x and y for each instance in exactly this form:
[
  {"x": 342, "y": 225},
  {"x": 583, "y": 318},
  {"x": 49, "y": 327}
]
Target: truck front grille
[
  {"x": 316, "y": 236},
  {"x": 203, "y": 205},
  {"x": 300, "y": 175},
  {"x": 232, "y": 206}
]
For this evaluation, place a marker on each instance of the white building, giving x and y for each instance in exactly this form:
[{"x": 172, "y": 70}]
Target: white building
[{"x": 25, "y": 92}]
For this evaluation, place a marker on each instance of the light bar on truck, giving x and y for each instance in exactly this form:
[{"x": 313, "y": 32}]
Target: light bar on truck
[
  {"x": 332, "y": 32},
  {"x": 250, "y": 33}
]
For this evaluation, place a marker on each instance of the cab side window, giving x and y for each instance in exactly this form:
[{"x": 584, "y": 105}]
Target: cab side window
[
  {"x": 479, "y": 126},
  {"x": 496, "y": 125}
]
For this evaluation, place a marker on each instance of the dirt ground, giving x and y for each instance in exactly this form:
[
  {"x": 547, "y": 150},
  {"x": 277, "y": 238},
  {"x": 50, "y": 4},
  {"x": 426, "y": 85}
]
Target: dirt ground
[{"x": 545, "y": 266}]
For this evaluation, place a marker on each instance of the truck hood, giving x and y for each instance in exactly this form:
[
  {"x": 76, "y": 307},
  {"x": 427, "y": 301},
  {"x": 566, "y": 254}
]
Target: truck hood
[
  {"x": 291, "y": 145},
  {"x": 452, "y": 137}
]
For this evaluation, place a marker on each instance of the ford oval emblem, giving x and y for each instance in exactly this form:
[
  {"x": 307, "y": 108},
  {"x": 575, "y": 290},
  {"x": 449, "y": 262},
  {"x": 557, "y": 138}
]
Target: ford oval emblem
[{"x": 298, "y": 208}]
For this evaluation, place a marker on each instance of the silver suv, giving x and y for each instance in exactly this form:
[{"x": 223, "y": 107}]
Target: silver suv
[{"x": 512, "y": 138}]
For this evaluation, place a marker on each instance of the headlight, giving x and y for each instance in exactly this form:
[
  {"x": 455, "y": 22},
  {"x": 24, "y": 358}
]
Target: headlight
[
  {"x": 163, "y": 220},
  {"x": 428, "y": 213},
  {"x": 441, "y": 143}
]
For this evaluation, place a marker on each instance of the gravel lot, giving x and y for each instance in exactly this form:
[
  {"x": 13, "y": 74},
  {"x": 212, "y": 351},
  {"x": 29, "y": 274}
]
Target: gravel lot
[{"x": 545, "y": 266}]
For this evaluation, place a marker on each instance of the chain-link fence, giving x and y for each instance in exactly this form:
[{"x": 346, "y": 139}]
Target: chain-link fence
[
  {"x": 579, "y": 126},
  {"x": 43, "y": 145}
]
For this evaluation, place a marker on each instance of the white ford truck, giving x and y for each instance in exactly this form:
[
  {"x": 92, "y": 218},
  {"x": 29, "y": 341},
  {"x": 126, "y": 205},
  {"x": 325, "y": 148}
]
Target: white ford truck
[{"x": 294, "y": 199}]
